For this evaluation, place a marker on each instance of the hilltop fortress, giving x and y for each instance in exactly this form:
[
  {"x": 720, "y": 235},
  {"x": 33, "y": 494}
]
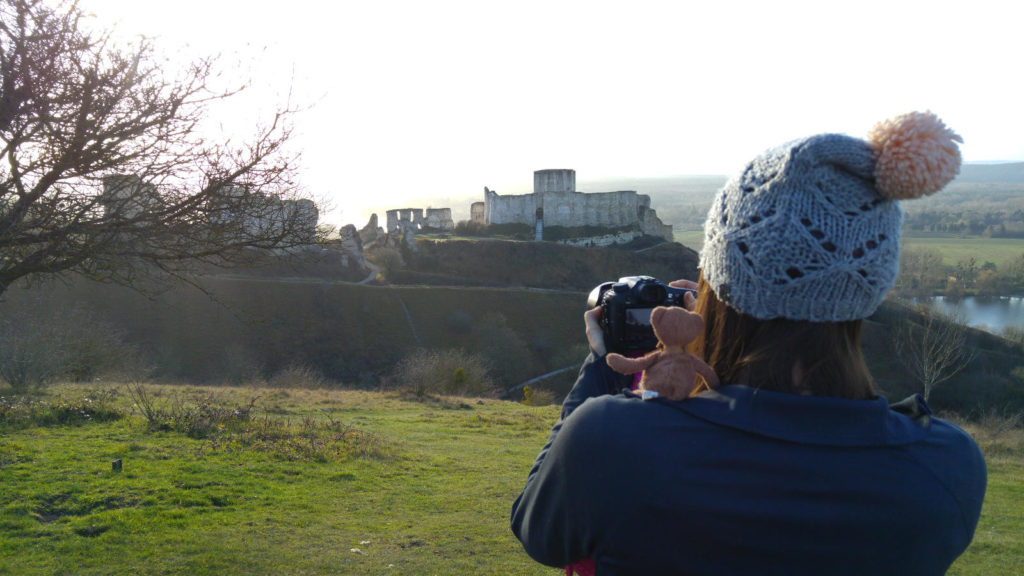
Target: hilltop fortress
[
  {"x": 624, "y": 214},
  {"x": 555, "y": 202}
]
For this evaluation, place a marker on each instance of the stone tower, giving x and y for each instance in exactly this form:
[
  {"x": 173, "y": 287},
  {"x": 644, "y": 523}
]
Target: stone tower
[{"x": 558, "y": 180}]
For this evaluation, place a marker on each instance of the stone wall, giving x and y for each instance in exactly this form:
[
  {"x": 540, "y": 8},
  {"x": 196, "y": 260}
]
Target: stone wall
[
  {"x": 477, "y": 211},
  {"x": 651, "y": 225},
  {"x": 607, "y": 209},
  {"x": 126, "y": 196},
  {"x": 604, "y": 240},
  {"x": 262, "y": 216},
  {"x": 439, "y": 219},
  {"x": 404, "y": 219},
  {"x": 555, "y": 200},
  {"x": 400, "y": 219},
  {"x": 574, "y": 209},
  {"x": 510, "y": 209}
]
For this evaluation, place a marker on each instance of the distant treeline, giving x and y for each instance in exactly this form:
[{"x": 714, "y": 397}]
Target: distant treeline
[
  {"x": 923, "y": 273},
  {"x": 992, "y": 223}
]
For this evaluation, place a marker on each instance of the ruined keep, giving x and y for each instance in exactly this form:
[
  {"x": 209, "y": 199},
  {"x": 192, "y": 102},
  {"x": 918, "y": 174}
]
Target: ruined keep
[
  {"x": 126, "y": 196},
  {"x": 260, "y": 214},
  {"x": 555, "y": 202},
  {"x": 401, "y": 219}
]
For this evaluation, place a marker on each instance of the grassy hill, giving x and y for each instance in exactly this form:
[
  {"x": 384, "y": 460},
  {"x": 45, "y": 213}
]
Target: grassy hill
[
  {"x": 239, "y": 330},
  {"x": 274, "y": 477},
  {"x": 524, "y": 321},
  {"x": 540, "y": 265},
  {"x": 311, "y": 482}
]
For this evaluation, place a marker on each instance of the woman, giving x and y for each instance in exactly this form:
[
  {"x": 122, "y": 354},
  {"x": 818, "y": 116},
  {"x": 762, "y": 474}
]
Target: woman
[{"x": 793, "y": 465}]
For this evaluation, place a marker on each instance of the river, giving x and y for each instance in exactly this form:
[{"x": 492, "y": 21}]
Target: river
[{"x": 992, "y": 314}]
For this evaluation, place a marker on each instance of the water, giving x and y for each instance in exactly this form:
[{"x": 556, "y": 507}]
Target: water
[{"x": 992, "y": 314}]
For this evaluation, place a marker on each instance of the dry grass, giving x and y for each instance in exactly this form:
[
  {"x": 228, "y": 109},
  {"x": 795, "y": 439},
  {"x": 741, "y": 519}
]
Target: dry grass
[{"x": 999, "y": 435}]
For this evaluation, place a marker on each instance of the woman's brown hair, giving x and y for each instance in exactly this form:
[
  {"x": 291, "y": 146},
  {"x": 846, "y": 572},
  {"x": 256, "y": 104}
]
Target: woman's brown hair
[{"x": 822, "y": 359}]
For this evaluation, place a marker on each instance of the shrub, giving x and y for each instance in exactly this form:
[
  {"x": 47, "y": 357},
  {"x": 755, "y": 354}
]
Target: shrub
[
  {"x": 510, "y": 359},
  {"x": 196, "y": 419},
  {"x": 297, "y": 376},
  {"x": 240, "y": 365},
  {"x": 312, "y": 439},
  {"x": 90, "y": 406},
  {"x": 470, "y": 228},
  {"x": 41, "y": 343},
  {"x": 459, "y": 321},
  {"x": 388, "y": 259},
  {"x": 537, "y": 396},
  {"x": 999, "y": 433},
  {"x": 32, "y": 353},
  {"x": 236, "y": 428},
  {"x": 453, "y": 371},
  {"x": 515, "y": 231}
]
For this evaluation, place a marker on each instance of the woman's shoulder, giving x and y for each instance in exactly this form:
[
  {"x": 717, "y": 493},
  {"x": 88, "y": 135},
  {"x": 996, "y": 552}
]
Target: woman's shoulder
[{"x": 607, "y": 416}]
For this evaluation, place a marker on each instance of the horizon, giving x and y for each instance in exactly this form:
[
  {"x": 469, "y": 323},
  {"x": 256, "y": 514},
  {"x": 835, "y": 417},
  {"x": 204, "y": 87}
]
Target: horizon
[{"x": 582, "y": 184}]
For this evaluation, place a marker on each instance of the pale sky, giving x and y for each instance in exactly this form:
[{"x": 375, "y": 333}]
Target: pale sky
[{"x": 414, "y": 99}]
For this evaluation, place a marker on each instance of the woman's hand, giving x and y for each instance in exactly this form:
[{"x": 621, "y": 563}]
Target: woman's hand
[
  {"x": 595, "y": 335},
  {"x": 689, "y": 300}
]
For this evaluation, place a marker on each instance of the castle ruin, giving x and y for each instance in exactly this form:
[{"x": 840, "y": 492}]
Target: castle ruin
[
  {"x": 127, "y": 197},
  {"x": 555, "y": 202},
  {"x": 400, "y": 219}
]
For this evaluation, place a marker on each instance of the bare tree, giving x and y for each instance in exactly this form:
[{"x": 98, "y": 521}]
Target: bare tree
[
  {"x": 104, "y": 170},
  {"x": 934, "y": 348},
  {"x": 921, "y": 272}
]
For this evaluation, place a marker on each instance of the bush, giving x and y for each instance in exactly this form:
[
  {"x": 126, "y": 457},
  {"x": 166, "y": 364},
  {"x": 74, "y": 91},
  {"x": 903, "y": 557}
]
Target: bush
[
  {"x": 40, "y": 344},
  {"x": 454, "y": 372},
  {"x": 91, "y": 406},
  {"x": 235, "y": 428},
  {"x": 459, "y": 321},
  {"x": 388, "y": 259},
  {"x": 470, "y": 228},
  {"x": 511, "y": 360},
  {"x": 239, "y": 365},
  {"x": 196, "y": 420},
  {"x": 537, "y": 396},
  {"x": 297, "y": 376},
  {"x": 514, "y": 231},
  {"x": 999, "y": 433}
]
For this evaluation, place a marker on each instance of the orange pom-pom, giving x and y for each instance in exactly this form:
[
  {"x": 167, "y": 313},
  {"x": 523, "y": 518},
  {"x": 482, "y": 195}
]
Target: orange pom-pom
[{"x": 916, "y": 153}]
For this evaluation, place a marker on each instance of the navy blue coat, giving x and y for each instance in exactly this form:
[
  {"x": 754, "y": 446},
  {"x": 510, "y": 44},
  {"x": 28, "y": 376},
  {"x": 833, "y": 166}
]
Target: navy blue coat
[{"x": 742, "y": 481}]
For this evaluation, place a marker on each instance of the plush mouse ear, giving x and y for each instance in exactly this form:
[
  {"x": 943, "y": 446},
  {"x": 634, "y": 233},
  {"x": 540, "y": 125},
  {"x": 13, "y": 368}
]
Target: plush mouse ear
[{"x": 917, "y": 155}]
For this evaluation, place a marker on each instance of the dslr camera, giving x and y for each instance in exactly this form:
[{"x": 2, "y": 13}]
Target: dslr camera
[{"x": 626, "y": 308}]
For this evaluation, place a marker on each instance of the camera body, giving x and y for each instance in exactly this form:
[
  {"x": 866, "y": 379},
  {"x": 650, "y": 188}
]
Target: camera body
[{"x": 626, "y": 308}]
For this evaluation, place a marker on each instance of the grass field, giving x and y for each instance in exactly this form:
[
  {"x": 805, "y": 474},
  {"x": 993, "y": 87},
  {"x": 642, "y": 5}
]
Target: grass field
[
  {"x": 364, "y": 483},
  {"x": 1001, "y": 251},
  {"x": 690, "y": 238}
]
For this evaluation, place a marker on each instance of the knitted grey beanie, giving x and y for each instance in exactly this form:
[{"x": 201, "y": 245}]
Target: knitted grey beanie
[{"x": 810, "y": 230}]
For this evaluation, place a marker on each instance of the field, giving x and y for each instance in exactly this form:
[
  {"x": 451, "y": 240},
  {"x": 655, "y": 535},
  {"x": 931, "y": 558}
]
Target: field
[
  {"x": 690, "y": 238},
  {"x": 1001, "y": 251},
  {"x": 310, "y": 482}
]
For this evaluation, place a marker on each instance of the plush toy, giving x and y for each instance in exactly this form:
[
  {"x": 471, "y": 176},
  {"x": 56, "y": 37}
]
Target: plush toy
[{"x": 669, "y": 371}]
